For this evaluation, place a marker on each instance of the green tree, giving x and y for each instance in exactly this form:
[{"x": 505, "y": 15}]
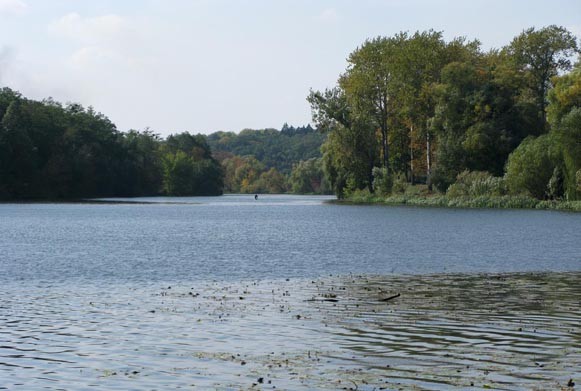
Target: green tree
[
  {"x": 177, "y": 174},
  {"x": 367, "y": 86},
  {"x": 542, "y": 54},
  {"x": 307, "y": 177},
  {"x": 273, "y": 182},
  {"x": 531, "y": 166},
  {"x": 564, "y": 114},
  {"x": 18, "y": 165},
  {"x": 351, "y": 149}
]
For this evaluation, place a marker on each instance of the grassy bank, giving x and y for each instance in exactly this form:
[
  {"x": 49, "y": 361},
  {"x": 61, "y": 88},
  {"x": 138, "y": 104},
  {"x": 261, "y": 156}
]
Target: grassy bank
[{"x": 444, "y": 201}]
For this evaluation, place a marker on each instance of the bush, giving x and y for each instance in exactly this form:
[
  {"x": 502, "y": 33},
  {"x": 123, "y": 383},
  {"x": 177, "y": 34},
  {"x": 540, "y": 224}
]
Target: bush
[
  {"x": 382, "y": 181},
  {"x": 531, "y": 166},
  {"x": 400, "y": 184},
  {"x": 555, "y": 185},
  {"x": 476, "y": 184}
]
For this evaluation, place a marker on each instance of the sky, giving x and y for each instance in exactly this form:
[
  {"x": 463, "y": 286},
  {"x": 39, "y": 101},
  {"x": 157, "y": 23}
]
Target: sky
[{"x": 208, "y": 65}]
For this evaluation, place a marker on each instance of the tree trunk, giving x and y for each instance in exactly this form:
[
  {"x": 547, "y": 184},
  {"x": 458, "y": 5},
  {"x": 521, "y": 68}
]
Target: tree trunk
[
  {"x": 429, "y": 161},
  {"x": 385, "y": 149},
  {"x": 412, "y": 178}
]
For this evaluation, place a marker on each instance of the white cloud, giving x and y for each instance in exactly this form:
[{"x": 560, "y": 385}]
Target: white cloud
[
  {"x": 93, "y": 30},
  {"x": 90, "y": 55},
  {"x": 6, "y": 59},
  {"x": 329, "y": 15},
  {"x": 101, "y": 41},
  {"x": 13, "y": 7}
]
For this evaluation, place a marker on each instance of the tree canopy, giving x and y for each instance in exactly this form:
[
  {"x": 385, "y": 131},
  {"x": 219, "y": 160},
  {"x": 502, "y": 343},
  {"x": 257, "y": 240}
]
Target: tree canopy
[
  {"x": 54, "y": 151},
  {"x": 427, "y": 110}
]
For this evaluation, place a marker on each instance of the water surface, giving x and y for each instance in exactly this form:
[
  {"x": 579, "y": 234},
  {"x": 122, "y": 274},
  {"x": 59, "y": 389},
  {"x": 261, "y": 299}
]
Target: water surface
[
  {"x": 286, "y": 292},
  {"x": 235, "y": 237}
]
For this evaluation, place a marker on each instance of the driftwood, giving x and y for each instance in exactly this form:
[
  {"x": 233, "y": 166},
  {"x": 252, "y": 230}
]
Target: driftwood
[
  {"x": 390, "y": 298},
  {"x": 330, "y": 300}
]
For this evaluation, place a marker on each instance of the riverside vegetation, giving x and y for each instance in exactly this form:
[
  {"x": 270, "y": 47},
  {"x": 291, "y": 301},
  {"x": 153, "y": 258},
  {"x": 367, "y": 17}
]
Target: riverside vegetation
[
  {"x": 413, "y": 120},
  {"x": 498, "y": 128}
]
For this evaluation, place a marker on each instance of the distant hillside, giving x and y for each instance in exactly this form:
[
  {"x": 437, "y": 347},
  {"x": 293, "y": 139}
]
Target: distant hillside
[{"x": 273, "y": 148}]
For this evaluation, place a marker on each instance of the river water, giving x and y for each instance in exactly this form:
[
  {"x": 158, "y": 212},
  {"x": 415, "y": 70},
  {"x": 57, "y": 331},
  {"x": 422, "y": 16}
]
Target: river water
[{"x": 287, "y": 292}]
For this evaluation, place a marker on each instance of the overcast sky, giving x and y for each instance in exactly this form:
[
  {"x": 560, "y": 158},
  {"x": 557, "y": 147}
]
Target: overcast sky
[{"x": 207, "y": 65}]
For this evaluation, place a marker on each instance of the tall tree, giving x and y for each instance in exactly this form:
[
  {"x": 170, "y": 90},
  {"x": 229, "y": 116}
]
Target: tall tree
[
  {"x": 542, "y": 54},
  {"x": 418, "y": 65},
  {"x": 351, "y": 149},
  {"x": 367, "y": 85}
]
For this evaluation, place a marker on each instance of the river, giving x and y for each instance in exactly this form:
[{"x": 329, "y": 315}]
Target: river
[{"x": 287, "y": 292}]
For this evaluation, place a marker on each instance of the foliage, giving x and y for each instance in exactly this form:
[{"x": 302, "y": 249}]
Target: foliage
[
  {"x": 307, "y": 177},
  {"x": 477, "y": 184},
  {"x": 382, "y": 180},
  {"x": 542, "y": 54},
  {"x": 52, "y": 151},
  {"x": 531, "y": 166},
  {"x": 442, "y": 111},
  {"x": 247, "y": 175},
  {"x": 565, "y": 118},
  {"x": 189, "y": 168},
  {"x": 350, "y": 151},
  {"x": 444, "y": 201},
  {"x": 273, "y": 148},
  {"x": 400, "y": 185}
]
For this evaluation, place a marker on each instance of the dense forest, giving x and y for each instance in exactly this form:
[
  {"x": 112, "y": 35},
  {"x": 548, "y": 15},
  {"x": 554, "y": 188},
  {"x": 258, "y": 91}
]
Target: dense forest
[
  {"x": 51, "y": 151},
  {"x": 271, "y": 160},
  {"x": 410, "y": 110},
  {"x": 54, "y": 151},
  {"x": 414, "y": 108}
]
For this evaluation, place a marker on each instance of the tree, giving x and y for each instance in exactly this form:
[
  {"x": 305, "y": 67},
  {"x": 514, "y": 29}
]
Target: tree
[
  {"x": 418, "y": 62},
  {"x": 367, "y": 85},
  {"x": 479, "y": 117},
  {"x": 273, "y": 148},
  {"x": 542, "y": 54},
  {"x": 48, "y": 150},
  {"x": 18, "y": 165},
  {"x": 307, "y": 177},
  {"x": 273, "y": 182},
  {"x": 531, "y": 166},
  {"x": 351, "y": 149}
]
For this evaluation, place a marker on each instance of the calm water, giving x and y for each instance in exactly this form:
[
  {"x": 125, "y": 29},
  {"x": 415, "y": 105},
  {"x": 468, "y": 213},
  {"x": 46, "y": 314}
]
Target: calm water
[
  {"x": 235, "y": 237},
  {"x": 232, "y": 293}
]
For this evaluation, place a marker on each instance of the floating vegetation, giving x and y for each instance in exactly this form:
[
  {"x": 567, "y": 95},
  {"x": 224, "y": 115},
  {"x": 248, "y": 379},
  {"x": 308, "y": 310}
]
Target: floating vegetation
[{"x": 354, "y": 332}]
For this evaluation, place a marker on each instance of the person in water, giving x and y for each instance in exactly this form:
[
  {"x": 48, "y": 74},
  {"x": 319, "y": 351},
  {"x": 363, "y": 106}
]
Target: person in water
[{"x": 255, "y": 196}]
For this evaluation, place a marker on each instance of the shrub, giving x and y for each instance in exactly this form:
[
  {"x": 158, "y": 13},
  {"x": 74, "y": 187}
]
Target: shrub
[
  {"x": 476, "y": 184},
  {"x": 400, "y": 184},
  {"x": 531, "y": 166},
  {"x": 382, "y": 181}
]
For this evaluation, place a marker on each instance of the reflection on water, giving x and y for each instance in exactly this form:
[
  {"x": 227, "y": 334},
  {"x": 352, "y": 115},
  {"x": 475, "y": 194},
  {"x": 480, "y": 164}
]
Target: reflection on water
[{"x": 510, "y": 331}]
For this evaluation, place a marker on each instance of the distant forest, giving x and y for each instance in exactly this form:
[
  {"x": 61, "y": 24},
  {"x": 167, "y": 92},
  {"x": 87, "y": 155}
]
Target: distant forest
[
  {"x": 409, "y": 110},
  {"x": 53, "y": 151},
  {"x": 415, "y": 108},
  {"x": 271, "y": 161}
]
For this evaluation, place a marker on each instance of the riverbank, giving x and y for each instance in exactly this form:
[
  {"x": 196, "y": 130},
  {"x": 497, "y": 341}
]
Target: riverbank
[{"x": 444, "y": 201}]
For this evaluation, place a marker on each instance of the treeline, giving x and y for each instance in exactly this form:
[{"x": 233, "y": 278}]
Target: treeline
[
  {"x": 271, "y": 161},
  {"x": 246, "y": 174},
  {"x": 414, "y": 108},
  {"x": 273, "y": 148},
  {"x": 51, "y": 151}
]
